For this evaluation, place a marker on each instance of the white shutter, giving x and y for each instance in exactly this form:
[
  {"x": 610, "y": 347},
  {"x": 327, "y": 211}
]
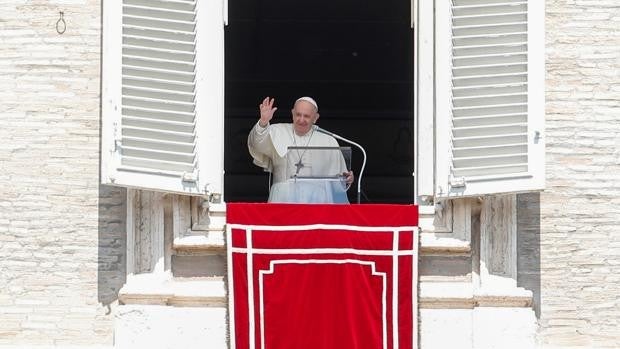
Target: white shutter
[
  {"x": 490, "y": 97},
  {"x": 162, "y": 95}
]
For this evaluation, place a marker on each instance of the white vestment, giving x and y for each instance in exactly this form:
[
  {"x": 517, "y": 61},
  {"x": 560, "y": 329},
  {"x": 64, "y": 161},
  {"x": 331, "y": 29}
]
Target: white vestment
[{"x": 269, "y": 148}]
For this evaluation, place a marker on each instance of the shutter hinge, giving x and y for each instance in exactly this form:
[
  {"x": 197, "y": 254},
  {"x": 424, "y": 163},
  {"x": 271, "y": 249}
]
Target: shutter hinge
[
  {"x": 117, "y": 138},
  {"x": 537, "y": 137},
  {"x": 215, "y": 198},
  {"x": 457, "y": 182},
  {"x": 439, "y": 209},
  {"x": 208, "y": 197},
  {"x": 190, "y": 177},
  {"x": 427, "y": 200},
  {"x": 207, "y": 200},
  {"x": 204, "y": 205}
]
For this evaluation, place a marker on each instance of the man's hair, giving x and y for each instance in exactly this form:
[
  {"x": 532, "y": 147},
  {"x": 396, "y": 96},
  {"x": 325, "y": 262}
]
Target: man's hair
[{"x": 309, "y": 100}]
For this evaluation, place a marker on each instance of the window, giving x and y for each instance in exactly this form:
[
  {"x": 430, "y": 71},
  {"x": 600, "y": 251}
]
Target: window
[
  {"x": 479, "y": 99},
  {"x": 354, "y": 58}
]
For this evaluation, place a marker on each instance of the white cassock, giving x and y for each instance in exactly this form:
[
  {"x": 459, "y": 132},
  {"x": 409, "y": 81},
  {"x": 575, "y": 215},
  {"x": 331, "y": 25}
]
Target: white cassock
[{"x": 269, "y": 148}]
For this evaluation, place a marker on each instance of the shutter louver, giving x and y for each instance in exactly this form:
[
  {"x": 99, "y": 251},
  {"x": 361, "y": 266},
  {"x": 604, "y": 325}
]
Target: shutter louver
[
  {"x": 491, "y": 109},
  {"x": 158, "y": 116},
  {"x": 489, "y": 87}
]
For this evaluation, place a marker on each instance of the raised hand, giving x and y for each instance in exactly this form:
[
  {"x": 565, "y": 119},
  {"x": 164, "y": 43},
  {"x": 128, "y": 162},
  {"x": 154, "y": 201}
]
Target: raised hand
[{"x": 266, "y": 111}]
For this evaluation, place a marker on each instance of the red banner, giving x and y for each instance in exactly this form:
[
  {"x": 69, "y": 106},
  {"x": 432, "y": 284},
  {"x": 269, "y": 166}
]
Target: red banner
[{"x": 322, "y": 276}]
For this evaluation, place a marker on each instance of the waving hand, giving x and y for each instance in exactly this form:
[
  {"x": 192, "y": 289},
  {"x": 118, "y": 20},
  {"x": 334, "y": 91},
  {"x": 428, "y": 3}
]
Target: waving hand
[{"x": 266, "y": 111}]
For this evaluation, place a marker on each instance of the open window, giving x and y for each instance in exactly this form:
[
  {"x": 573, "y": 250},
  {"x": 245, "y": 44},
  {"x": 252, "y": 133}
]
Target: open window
[
  {"x": 473, "y": 126},
  {"x": 162, "y": 95},
  {"x": 355, "y": 58}
]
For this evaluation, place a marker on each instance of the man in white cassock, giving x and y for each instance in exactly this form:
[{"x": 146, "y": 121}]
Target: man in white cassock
[{"x": 269, "y": 146}]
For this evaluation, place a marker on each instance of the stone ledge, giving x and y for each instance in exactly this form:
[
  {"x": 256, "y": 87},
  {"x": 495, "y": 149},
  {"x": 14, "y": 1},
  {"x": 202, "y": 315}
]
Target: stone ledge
[
  {"x": 446, "y": 295},
  {"x": 459, "y": 295},
  {"x": 211, "y": 241},
  {"x": 147, "y": 289},
  {"x": 439, "y": 243},
  {"x": 430, "y": 243},
  {"x": 215, "y": 240},
  {"x": 509, "y": 297},
  {"x": 164, "y": 290},
  {"x": 156, "y": 326}
]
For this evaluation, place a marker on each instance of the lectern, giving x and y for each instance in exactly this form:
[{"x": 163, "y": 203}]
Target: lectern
[{"x": 315, "y": 174}]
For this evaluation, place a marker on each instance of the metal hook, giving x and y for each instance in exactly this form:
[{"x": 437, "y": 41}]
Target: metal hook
[{"x": 61, "y": 25}]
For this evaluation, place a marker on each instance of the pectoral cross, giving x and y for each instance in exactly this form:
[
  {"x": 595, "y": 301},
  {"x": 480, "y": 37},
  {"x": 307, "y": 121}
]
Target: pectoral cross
[{"x": 299, "y": 166}]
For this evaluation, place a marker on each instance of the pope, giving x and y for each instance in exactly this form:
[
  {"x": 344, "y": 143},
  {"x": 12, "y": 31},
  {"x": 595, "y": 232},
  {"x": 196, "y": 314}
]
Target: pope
[{"x": 269, "y": 144}]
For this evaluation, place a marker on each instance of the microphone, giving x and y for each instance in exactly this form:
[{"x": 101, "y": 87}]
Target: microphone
[{"x": 359, "y": 180}]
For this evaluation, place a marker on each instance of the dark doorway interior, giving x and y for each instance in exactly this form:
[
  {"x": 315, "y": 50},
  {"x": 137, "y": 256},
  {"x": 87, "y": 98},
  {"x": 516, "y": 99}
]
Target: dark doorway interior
[{"x": 353, "y": 56}]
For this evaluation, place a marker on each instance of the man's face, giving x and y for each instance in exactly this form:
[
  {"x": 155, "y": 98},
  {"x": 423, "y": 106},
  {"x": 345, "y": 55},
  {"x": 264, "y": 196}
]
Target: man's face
[{"x": 304, "y": 116}]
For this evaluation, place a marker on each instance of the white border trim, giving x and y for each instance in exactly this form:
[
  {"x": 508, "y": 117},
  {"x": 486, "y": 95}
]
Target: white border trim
[
  {"x": 321, "y": 227},
  {"x": 414, "y": 290},
  {"x": 395, "y": 260},
  {"x": 231, "y": 288},
  {"x": 374, "y": 272},
  {"x": 334, "y": 250},
  {"x": 250, "y": 274}
]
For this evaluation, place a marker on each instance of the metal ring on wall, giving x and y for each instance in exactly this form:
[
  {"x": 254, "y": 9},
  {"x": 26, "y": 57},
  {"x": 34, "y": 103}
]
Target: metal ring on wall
[{"x": 61, "y": 25}]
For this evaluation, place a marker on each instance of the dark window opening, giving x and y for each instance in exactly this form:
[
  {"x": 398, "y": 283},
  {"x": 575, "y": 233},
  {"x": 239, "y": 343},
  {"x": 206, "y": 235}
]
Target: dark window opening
[{"x": 355, "y": 58}]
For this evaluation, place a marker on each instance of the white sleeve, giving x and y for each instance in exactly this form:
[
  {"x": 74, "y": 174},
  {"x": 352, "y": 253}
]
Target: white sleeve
[{"x": 260, "y": 146}]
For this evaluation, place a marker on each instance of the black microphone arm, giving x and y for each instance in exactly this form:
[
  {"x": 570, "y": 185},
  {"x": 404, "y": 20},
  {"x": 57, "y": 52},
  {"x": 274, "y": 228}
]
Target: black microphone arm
[{"x": 359, "y": 180}]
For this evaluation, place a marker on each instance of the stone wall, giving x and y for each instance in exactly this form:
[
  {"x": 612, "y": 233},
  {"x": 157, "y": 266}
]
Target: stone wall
[
  {"x": 62, "y": 237},
  {"x": 61, "y": 233},
  {"x": 575, "y": 269}
]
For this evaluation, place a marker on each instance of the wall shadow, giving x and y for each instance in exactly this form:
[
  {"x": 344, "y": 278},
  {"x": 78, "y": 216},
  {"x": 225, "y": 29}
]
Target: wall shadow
[
  {"x": 112, "y": 242},
  {"x": 111, "y": 223},
  {"x": 528, "y": 245}
]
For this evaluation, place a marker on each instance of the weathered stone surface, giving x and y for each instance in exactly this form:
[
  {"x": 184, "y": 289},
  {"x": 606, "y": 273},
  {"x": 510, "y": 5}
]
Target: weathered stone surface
[
  {"x": 155, "y": 326},
  {"x": 569, "y": 244},
  {"x": 61, "y": 233}
]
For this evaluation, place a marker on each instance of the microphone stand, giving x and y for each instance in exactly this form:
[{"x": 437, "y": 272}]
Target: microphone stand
[{"x": 359, "y": 180}]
